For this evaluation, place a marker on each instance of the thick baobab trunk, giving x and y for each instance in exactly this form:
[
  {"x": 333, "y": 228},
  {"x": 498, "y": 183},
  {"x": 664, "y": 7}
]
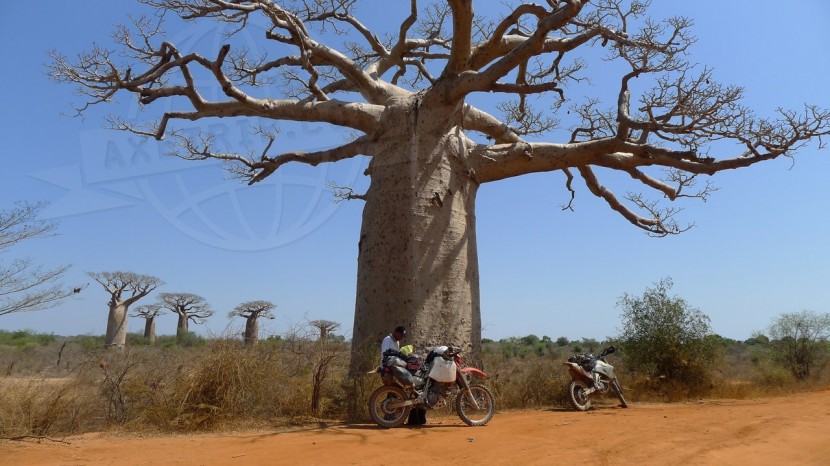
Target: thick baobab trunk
[
  {"x": 116, "y": 326},
  {"x": 150, "y": 329},
  {"x": 181, "y": 327},
  {"x": 251, "y": 331},
  {"x": 417, "y": 261}
]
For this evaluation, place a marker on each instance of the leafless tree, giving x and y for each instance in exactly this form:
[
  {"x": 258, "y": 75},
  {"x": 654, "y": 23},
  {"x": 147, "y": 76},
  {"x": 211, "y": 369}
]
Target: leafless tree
[
  {"x": 251, "y": 311},
  {"x": 327, "y": 352},
  {"x": 124, "y": 288},
  {"x": 188, "y": 306},
  {"x": 415, "y": 101},
  {"x": 23, "y": 285},
  {"x": 149, "y": 313},
  {"x": 318, "y": 353}
]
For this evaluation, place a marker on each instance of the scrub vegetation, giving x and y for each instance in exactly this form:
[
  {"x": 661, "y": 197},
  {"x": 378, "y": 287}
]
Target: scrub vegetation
[{"x": 52, "y": 386}]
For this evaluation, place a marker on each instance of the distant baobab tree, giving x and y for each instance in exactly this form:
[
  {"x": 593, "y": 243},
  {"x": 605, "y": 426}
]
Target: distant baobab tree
[
  {"x": 252, "y": 311},
  {"x": 124, "y": 288},
  {"x": 149, "y": 313},
  {"x": 188, "y": 306},
  {"x": 325, "y": 327},
  {"x": 321, "y": 355}
]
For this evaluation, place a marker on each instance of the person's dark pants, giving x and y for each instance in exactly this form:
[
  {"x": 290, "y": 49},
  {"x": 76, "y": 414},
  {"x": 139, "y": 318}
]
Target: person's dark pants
[{"x": 417, "y": 417}]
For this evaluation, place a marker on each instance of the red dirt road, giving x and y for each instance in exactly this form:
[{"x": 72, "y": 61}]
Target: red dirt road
[{"x": 792, "y": 430}]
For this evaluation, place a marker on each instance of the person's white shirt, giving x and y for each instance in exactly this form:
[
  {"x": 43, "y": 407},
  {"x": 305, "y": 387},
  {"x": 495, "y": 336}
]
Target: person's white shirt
[{"x": 389, "y": 343}]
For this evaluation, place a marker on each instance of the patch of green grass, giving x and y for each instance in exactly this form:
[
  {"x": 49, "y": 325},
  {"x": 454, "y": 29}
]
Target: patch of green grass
[{"x": 25, "y": 339}]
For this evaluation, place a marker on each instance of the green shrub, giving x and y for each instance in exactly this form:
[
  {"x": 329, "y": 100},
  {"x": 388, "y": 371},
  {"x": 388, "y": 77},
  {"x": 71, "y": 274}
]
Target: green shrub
[
  {"x": 25, "y": 339},
  {"x": 799, "y": 342},
  {"x": 667, "y": 340},
  {"x": 136, "y": 339},
  {"x": 90, "y": 342}
]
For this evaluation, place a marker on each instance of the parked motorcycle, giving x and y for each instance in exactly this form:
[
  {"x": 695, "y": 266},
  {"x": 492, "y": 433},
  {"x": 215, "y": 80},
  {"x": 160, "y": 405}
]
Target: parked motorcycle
[
  {"x": 591, "y": 375},
  {"x": 408, "y": 385}
]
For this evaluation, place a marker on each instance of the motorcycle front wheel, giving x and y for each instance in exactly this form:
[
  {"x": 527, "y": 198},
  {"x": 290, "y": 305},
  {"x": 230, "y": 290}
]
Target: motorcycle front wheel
[
  {"x": 379, "y": 406},
  {"x": 467, "y": 411},
  {"x": 576, "y": 392},
  {"x": 617, "y": 389}
]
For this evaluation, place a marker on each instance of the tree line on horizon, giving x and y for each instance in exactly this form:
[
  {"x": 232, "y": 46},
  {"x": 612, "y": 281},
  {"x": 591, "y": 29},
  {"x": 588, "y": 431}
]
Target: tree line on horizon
[{"x": 662, "y": 335}]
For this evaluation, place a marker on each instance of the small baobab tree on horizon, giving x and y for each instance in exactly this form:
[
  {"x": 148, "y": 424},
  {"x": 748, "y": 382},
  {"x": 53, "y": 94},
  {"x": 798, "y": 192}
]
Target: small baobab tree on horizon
[
  {"x": 189, "y": 307},
  {"x": 252, "y": 311},
  {"x": 149, "y": 313},
  {"x": 324, "y": 327},
  {"x": 124, "y": 288}
]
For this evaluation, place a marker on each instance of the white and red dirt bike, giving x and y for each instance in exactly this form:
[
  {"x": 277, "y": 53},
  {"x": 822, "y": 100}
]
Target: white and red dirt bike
[
  {"x": 408, "y": 384},
  {"x": 592, "y": 375}
]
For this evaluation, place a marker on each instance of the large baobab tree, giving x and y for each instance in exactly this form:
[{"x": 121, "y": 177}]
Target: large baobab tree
[
  {"x": 188, "y": 306},
  {"x": 252, "y": 311},
  {"x": 23, "y": 285},
  {"x": 418, "y": 103},
  {"x": 149, "y": 314},
  {"x": 124, "y": 288}
]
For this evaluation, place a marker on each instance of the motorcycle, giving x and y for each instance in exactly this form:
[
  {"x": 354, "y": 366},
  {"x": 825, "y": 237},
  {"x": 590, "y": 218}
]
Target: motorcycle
[
  {"x": 592, "y": 374},
  {"x": 408, "y": 385}
]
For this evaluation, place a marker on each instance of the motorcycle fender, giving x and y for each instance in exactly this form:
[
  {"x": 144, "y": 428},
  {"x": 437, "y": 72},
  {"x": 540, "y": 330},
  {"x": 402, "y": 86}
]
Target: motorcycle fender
[
  {"x": 577, "y": 372},
  {"x": 605, "y": 369},
  {"x": 473, "y": 370}
]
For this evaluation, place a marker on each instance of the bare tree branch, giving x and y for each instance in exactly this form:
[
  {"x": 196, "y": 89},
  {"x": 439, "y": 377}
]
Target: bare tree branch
[
  {"x": 671, "y": 124},
  {"x": 344, "y": 193},
  {"x": 660, "y": 223},
  {"x": 24, "y": 286},
  {"x": 126, "y": 287}
]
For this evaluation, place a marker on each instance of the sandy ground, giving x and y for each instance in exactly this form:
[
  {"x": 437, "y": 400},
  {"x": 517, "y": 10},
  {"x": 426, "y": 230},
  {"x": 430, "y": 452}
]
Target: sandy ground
[{"x": 791, "y": 430}]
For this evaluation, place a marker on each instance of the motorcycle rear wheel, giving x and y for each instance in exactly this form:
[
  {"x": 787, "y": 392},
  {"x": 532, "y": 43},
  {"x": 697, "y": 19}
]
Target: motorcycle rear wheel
[
  {"x": 617, "y": 389},
  {"x": 379, "y": 406},
  {"x": 485, "y": 401},
  {"x": 576, "y": 392}
]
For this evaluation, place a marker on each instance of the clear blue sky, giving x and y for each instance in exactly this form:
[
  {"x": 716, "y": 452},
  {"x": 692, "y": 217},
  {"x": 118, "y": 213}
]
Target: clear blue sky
[{"x": 761, "y": 245}]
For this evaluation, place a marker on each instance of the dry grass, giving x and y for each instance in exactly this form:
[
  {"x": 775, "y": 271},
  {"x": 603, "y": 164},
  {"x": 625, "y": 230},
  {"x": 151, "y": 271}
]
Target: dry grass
[
  {"x": 527, "y": 382},
  {"x": 43, "y": 407},
  {"x": 224, "y": 385}
]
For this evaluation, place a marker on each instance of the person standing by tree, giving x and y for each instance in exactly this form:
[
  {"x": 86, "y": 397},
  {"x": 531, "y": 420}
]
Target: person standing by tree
[{"x": 392, "y": 341}]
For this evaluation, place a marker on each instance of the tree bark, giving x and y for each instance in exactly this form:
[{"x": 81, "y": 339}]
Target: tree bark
[
  {"x": 181, "y": 327},
  {"x": 251, "y": 331},
  {"x": 417, "y": 259},
  {"x": 150, "y": 329},
  {"x": 116, "y": 326}
]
